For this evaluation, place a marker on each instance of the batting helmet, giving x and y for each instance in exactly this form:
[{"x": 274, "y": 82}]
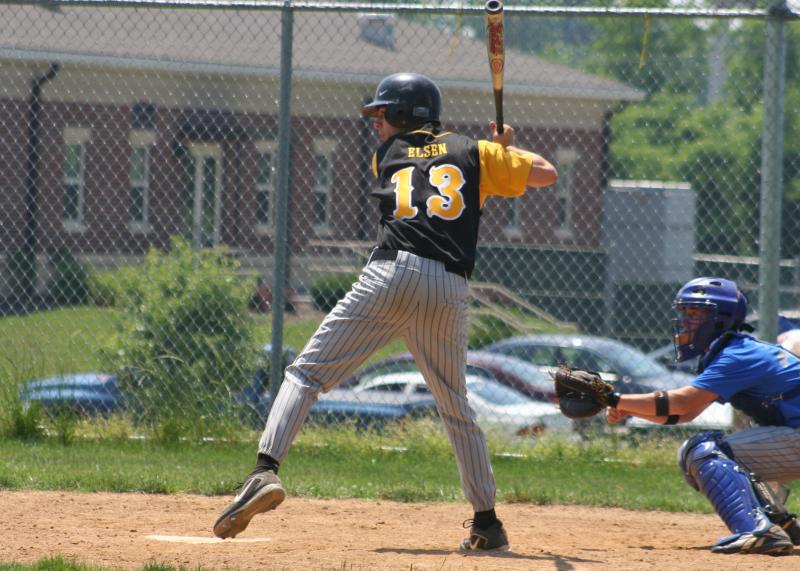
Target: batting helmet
[
  {"x": 409, "y": 100},
  {"x": 708, "y": 308}
]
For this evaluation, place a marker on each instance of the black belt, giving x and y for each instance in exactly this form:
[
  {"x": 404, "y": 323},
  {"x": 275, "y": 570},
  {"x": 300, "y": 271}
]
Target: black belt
[{"x": 391, "y": 255}]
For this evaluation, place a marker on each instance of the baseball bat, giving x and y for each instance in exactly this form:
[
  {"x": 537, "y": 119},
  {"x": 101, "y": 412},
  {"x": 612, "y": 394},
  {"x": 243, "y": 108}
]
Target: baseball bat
[{"x": 495, "y": 45}]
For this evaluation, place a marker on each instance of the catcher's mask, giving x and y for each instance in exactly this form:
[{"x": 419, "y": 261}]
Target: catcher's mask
[
  {"x": 409, "y": 99},
  {"x": 707, "y": 308}
]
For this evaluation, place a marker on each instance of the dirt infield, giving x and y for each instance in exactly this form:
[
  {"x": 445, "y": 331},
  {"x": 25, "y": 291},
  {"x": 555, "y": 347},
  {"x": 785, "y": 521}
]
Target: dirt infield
[{"x": 131, "y": 530}]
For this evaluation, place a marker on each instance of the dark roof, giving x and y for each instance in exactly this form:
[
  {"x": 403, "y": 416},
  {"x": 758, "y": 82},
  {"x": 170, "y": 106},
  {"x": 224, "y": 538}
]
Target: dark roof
[{"x": 327, "y": 45}]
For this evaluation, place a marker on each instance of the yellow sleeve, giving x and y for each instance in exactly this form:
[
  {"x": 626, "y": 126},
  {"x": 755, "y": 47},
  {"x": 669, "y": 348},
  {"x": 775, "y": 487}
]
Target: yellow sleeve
[
  {"x": 375, "y": 164},
  {"x": 503, "y": 173}
]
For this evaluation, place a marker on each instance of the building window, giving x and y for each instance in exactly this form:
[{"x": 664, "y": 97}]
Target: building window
[
  {"x": 139, "y": 180},
  {"x": 512, "y": 227},
  {"x": 266, "y": 163},
  {"x": 74, "y": 168},
  {"x": 566, "y": 159},
  {"x": 323, "y": 183}
]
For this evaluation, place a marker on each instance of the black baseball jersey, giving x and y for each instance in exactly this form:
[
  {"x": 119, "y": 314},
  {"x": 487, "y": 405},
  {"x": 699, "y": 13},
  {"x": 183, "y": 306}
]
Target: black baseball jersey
[{"x": 431, "y": 187}]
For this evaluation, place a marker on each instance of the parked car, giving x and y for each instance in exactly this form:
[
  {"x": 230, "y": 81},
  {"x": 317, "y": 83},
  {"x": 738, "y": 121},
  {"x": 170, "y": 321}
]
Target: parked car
[
  {"x": 628, "y": 368},
  {"x": 261, "y": 376},
  {"x": 665, "y": 355},
  {"x": 91, "y": 394},
  {"x": 371, "y": 408},
  {"x": 99, "y": 393},
  {"x": 497, "y": 407},
  {"x": 509, "y": 371},
  {"x": 619, "y": 363}
]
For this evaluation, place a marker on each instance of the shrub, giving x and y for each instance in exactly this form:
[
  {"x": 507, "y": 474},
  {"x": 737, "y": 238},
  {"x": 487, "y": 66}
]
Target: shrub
[
  {"x": 21, "y": 270},
  {"x": 69, "y": 279},
  {"x": 330, "y": 288},
  {"x": 107, "y": 288},
  {"x": 23, "y": 423},
  {"x": 185, "y": 342},
  {"x": 64, "y": 421}
]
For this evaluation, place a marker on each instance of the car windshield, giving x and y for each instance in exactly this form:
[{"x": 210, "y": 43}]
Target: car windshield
[
  {"x": 495, "y": 393},
  {"x": 637, "y": 364}
]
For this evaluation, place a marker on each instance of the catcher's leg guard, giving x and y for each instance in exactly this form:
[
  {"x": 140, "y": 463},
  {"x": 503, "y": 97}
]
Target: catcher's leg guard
[{"x": 708, "y": 466}]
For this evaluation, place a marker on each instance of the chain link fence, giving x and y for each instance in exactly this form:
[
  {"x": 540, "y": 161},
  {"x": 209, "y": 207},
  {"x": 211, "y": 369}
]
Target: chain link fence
[{"x": 185, "y": 191}]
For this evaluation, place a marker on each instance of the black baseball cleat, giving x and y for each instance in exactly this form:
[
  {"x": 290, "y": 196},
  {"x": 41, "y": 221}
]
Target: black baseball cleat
[
  {"x": 493, "y": 538},
  {"x": 792, "y": 529},
  {"x": 262, "y": 491}
]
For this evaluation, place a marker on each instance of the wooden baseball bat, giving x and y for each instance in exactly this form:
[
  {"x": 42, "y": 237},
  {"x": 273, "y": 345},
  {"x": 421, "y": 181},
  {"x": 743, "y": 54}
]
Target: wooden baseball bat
[{"x": 495, "y": 45}]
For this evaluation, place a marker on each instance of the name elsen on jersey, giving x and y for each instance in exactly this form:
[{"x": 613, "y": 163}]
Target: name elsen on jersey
[{"x": 427, "y": 151}]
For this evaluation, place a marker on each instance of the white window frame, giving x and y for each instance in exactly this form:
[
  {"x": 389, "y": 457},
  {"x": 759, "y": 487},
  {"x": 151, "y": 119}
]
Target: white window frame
[
  {"x": 200, "y": 152},
  {"x": 512, "y": 227},
  {"x": 566, "y": 159},
  {"x": 75, "y": 136},
  {"x": 326, "y": 148},
  {"x": 263, "y": 148},
  {"x": 138, "y": 139}
]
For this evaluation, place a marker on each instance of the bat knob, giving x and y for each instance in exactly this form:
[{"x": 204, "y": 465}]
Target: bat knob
[{"x": 494, "y": 6}]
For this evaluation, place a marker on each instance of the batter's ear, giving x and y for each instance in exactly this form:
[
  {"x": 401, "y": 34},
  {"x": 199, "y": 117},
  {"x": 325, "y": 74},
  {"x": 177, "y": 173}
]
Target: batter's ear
[{"x": 375, "y": 164}]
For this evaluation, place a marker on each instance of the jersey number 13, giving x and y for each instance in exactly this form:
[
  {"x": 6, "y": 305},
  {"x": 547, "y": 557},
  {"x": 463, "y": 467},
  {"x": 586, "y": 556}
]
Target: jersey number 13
[{"x": 448, "y": 204}]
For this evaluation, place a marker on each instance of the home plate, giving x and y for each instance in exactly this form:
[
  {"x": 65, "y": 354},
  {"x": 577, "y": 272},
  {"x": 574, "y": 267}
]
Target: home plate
[{"x": 196, "y": 539}]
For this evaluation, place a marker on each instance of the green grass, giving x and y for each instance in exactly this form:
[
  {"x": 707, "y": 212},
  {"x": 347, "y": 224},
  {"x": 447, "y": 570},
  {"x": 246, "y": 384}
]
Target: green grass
[
  {"x": 53, "y": 342},
  {"x": 412, "y": 463}
]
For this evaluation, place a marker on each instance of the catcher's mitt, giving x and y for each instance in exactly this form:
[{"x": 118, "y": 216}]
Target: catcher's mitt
[{"x": 582, "y": 393}]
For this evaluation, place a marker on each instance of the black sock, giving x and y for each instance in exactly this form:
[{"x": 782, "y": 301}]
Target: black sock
[
  {"x": 268, "y": 462},
  {"x": 484, "y": 519}
]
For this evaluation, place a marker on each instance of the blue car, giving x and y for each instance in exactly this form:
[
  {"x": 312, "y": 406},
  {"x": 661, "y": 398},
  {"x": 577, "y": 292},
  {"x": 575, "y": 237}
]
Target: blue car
[{"x": 88, "y": 394}]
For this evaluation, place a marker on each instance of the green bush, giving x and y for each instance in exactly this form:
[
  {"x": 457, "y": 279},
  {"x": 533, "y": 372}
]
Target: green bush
[
  {"x": 185, "y": 343},
  {"x": 68, "y": 284},
  {"x": 330, "y": 288},
  {"x": 107, "y": 288},
  {"x": 21, "y": 271},
  {"x": 22, "y": 423},
  {"x": 486, "y": 329}
]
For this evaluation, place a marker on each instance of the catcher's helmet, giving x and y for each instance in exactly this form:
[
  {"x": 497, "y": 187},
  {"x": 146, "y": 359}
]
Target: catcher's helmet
[
  {"x": 708, "y": 307},
  {"x": 409, "y": 100}
]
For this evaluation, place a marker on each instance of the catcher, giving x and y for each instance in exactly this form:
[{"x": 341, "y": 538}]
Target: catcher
[{"x": 760, "y": 379}]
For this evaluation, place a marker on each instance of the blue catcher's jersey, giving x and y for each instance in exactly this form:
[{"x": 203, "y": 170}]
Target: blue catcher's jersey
[{"x": 757, "y": 370}]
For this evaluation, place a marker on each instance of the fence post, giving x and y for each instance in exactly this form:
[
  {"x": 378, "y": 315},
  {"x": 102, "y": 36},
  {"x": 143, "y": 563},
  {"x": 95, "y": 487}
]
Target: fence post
[
  {"x": 282, "y": 203},
  {"x": 771, "y": 172},
  {"x": 30, "y": 230}
]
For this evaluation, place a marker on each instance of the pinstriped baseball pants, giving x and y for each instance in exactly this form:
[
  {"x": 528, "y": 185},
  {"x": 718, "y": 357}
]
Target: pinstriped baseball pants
[
  {"x": 771, "y": 452},
  {"x": 413, "y": 299}
]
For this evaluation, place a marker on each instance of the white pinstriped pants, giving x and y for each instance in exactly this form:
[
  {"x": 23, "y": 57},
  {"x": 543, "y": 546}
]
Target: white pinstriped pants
[
  {"x": 413, "y": 299},
  {"x": 771, "y": 452}
]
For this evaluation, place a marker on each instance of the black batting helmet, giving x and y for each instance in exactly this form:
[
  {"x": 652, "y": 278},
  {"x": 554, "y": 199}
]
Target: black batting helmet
[{"x": 410, "y": 100}]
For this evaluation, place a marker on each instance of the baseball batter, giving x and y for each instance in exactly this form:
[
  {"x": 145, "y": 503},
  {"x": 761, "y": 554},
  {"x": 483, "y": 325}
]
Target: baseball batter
[
  {"x": 758, "y": 378},
  {"x": 431, "y": 187}
]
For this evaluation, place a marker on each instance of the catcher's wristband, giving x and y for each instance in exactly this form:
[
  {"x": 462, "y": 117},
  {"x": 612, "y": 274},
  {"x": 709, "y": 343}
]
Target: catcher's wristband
[{"x": 613, "y": 399}]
